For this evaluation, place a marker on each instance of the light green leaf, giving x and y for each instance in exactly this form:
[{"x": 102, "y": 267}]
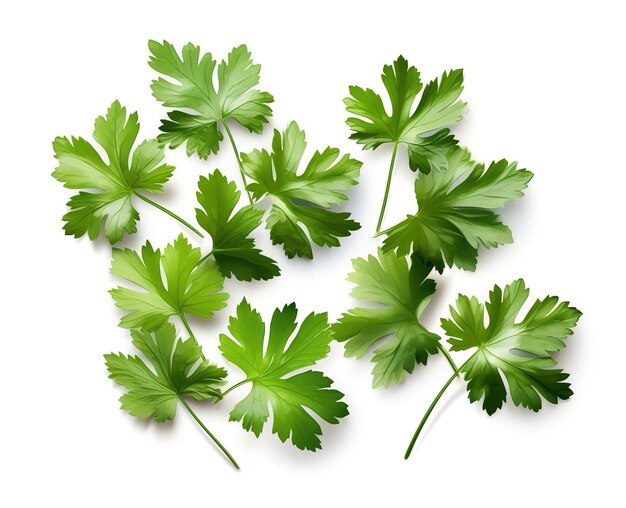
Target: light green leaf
[
  {"x": 178, "y": 370},
  {"x": 302, "y": 200},
  {"x": 107, "y": 188},
  {"x": 193, "y": 88},
  {"x": 401, "y": 295},
  {"x": 191, "y": 286},
  {"x": 421, "y": 128}
]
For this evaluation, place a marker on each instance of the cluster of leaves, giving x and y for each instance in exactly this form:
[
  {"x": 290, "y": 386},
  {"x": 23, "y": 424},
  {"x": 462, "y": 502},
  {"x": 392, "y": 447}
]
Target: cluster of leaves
[
  {"x": 180, "y": 369},
  {"x": 181, "y": 281},
  {"x": 456, "y": 203},
  {"x": 457, "y": 199}
]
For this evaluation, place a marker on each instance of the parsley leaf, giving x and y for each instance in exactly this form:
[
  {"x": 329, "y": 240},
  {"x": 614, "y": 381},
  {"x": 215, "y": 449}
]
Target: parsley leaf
[
  {"x": 233, "y": 250},
  {"x": 455, "y": 214},
  {"x": 520, "y": 351},
  {"x": 269, "y": 367},
  {"x": 154, "y": 393},
  {"x": 107, "y": 188},
  {"x": 179, "y": 370},
  {"x": 234, "y": 97},
  {"x": 402, "y": 294},
  {"x": 191, "y": 286},
  {"x": 437, "y": 108},
  {"x": 302, "y": 199}
]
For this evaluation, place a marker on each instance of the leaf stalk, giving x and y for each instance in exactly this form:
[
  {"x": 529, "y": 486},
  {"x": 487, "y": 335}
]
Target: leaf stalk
[
  {"x": 427, "y": 414},
  {"x": 237, "y": 156},
  {"x": 169, "y": 212},
  {"x": 236, "y": 385},
  {"x": 209, "y": 433},
  {"x": 386, "y": 196}
]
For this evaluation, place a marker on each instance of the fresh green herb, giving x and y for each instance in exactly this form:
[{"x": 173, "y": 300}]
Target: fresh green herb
[
  {"x": 401, "y": 294},
  {"x": 455, "y": 211},
  {"x": 191, "y": 286},
  {"x": 179, "y": 370},
  {"x": 110, "y": 208},
  {"x": 422, "y": 130},
  {"x": 268, "y": 367},
  {"x": 233, "y": 250},
  {"x": 234, "y": 98},
  {"x": 302, "y": 198},
  {"x": 521, "y": 351}
]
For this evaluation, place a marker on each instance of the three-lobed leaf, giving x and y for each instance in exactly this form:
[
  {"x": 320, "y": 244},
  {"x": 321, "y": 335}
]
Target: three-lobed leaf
[
  {"x": 233, "y": 249},
  {"x": 192, "y": 87},
  {"x": 521, "y": 352},
  {"x": 192, "y": 285},
  {"x": 302, "y": 200},
  {"x": 422, "y": 129},
  {"x": 401, "y": 294},
  {"x": 105, "y": 202},
  {"x": 455, "y": 211},
  {"x": 269, "y": 366},
  {"x": 178, "y": 370}
]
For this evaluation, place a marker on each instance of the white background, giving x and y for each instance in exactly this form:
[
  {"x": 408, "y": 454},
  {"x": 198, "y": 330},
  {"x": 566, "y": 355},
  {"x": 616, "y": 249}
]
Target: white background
[{"x": 545, "y": 86}]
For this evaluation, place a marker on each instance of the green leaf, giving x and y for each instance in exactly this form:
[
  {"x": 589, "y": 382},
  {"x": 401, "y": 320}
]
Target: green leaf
[
  {"x": 107, "y": 188},
  {"x": 400, "y": 294},
  {"x": 233, "y": 250},
  {"x": 421, "y": 129},
  {"x": 193, "y": 89},
  {"x": 270, "y": 367},
  {"x": 455, "y": 214},
  {"x": 302, "y": 200},
  {"x": 191, "y": 286},
  {"x": 154, "y": 392},
  {"x": 519, "y": 351}
]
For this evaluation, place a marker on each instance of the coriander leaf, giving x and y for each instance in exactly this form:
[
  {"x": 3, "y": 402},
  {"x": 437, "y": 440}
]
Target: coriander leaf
[
  {"x": 302, "y": 199},
  {"x": 191, "y": 286},
  {"x": 154, "y": 392},
  {"x": 233, "y": 250},
  {"x": 269, "y": 366},
  {"x": 437, "y": 108},
  {"x": 193, "y": 88},
  {"x": 519, "y": 351},
  {"x": 455, "y": 214},
  {"x": 107, "y": 188},
  {"x": 402, "y": 294}
]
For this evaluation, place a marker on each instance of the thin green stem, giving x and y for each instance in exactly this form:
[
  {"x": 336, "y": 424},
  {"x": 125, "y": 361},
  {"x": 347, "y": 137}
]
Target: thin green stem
[
  {"x": 427, "y": 414},
  {"x": 209, "y": 433},
  {"x": 236, "y": 385},
  {"x": 190, "y": 332},
  {"x": 187, "y": 327},
  {"x": 205, "y": 257},
  {"x": 240, "y": 164},
  {"x": 382, "y": 209},
  {"x": 449, "y": 358},
  {"x": 380, "y": 233},
  {"x": 170, "y": 213}
]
